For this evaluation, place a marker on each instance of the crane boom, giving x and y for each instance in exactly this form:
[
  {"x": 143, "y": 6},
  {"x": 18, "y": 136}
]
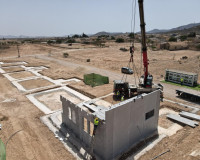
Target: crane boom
[
  {"x": 128, "y": 91},
  {"x": 147, "y": 78}
]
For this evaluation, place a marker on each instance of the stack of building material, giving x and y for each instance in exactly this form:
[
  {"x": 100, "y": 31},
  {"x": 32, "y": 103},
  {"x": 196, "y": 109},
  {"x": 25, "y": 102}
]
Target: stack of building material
[
  {"x": 190, "y": 115},
  {"x": 183, "y": 120}
]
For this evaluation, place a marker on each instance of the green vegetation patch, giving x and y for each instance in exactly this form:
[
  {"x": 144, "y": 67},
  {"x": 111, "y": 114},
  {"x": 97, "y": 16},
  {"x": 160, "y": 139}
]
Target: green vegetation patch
[
  {"x": 95, "y": 79},
  {"x": 2, "y": 151},
  {"x": 197, "y": 88}
]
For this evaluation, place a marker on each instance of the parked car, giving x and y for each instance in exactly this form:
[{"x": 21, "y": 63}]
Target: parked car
[{"x": 126, "y": 70}]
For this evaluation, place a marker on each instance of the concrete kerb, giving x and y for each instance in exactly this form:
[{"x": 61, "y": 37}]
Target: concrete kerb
[
  {"x": 69, "y": 138},
  {"x": 43, "y": 107},
  {"x": 38, "y": 104},
  {"x": 18, "y": 63},
  {"x": 2, "y": 71},
  {"x": 63, "y": 138},
  {"x": 35, "y": 71},
  {"x": 195, "y": 109}
]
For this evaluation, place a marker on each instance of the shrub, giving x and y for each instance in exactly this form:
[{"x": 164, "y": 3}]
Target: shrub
[
  {"x": 192, "y": 34},
  {"x": 172, "y": 39},
  {"x": 86, "y": 42},
  {"x": 119, "y": 40},
  {"x": 59, "y": 41},
  {"x": 183, "y": 38},
  {"x": 153, "y": 47},
  {"x": 99, "y": 42},
  {"x": 198, "y": 47},
  {"x": 71, "y": 41},
  {"x": 131, "y": 35},
  {"x": 123, "y": 49},
  {"x": 65, "y": 55},
  {"x": 48, "y": 42},
  {"x": 112, "y": 38}
]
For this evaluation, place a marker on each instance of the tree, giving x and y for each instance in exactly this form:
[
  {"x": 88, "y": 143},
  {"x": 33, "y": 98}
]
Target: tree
[
  {"x": 99, "y": 42},
  {"x": 131, "y": 35},
  {"x": 49, "y": 41},
  {"x": 71, "y": 41},
  {"x": 183, "y": 37},
  {"x": 119, "y": 40},
  {"x": 198, "y": 47},
  {"x": 75, "y": 36},
  {"x": 84, "y": 35},
  {"x": 172, "y": 39},
  {"x": 192, "y": 34},
  {"x": 59, "y": 41},
  {"x": 112, "y": 38}
]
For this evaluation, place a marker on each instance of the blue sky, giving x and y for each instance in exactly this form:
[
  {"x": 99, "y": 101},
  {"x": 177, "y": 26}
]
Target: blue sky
[{"x": 64, "y": 17}]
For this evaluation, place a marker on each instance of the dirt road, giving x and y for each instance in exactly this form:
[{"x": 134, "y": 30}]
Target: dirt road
[{"x": 88, "y": 69}]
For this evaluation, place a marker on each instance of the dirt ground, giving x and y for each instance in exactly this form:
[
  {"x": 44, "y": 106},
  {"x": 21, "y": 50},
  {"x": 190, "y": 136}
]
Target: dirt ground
[
  {"x": 164, "y": 122},
  {"x": 181, "y": 145},
  {"x": 52, "y": 100},
  {"x": 35, "y": 141},
  {"x": 24, "y": 74},
  {"x": 35, "y": 83},
  {"x": 97, "y": 91},
  {"x": 13, "y": 69}
]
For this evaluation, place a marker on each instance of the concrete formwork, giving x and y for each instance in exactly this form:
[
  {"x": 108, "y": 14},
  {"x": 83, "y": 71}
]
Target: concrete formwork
[{"x": 123, "y": 125}]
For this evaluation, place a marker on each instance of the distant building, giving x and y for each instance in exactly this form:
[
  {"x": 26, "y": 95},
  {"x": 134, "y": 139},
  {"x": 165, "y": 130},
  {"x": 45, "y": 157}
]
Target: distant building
[
  {"x": 189, "y": 79},
  {"x": 172, "y": 46}
]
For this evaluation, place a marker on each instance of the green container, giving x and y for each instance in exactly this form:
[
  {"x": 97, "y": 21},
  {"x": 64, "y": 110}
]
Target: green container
[{"x": 95, "y": 79}]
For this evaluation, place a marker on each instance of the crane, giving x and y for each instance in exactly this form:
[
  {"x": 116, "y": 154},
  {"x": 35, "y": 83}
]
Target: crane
[{"x": 146, "y": 84}]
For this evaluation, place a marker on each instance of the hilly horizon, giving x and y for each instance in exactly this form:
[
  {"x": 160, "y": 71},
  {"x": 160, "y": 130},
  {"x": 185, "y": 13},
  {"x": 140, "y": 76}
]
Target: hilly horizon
[{"x": 185, "y": 28}]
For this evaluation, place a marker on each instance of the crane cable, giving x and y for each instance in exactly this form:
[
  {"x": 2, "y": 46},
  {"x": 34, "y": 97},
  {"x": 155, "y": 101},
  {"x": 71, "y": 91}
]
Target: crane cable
[
  {"x": 135, "y": 70},
  {"x": 133, "y": 19},
  {"x": 133, "y": 38}
]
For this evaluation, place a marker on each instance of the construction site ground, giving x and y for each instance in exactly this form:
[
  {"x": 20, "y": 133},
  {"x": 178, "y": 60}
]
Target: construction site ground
[{"x": 36, "y": 141}]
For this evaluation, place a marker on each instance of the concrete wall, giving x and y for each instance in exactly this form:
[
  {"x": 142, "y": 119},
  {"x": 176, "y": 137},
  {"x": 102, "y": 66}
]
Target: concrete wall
[
  {"x": 78, "y": 127},
  {"x": 125, "y": 124}
]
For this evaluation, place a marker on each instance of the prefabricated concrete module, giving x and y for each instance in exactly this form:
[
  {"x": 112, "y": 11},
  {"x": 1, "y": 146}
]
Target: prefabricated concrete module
[{"x": 121, "y": 127}]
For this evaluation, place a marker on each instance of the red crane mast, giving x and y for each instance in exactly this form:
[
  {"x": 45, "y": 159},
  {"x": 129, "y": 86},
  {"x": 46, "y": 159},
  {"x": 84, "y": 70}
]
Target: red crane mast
[{"x": 147, "y": 78}]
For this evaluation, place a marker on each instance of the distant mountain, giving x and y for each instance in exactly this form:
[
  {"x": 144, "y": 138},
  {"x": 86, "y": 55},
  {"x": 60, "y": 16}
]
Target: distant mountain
[
  {"x": 180, "y": 28},
  {"x": 14, "y": 37},
  {"x": 107, "y": 33},
  {"x": 7, "y": 36}
]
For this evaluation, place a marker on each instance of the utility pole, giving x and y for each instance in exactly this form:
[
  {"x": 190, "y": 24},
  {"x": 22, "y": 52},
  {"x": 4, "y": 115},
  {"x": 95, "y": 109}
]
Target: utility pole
[{"x": 18, "y": 50}]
